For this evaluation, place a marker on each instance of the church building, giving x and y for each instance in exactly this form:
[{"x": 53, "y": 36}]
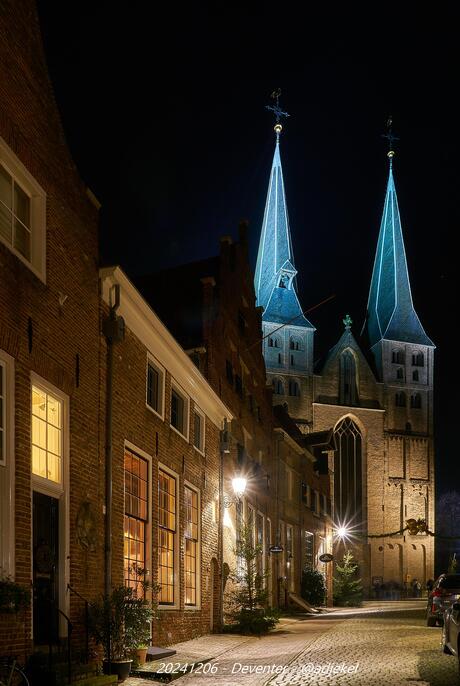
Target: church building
[{"x": 375, "y": 392}]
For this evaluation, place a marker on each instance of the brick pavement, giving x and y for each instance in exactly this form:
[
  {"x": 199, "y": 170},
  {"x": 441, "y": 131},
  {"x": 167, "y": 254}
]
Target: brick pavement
[{"x": 391, "y": 647}]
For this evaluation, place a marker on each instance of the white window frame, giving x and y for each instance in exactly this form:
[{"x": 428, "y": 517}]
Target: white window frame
[
  {"x": 60, "y": 491},
  {"x": 186, "y": 420},
  {"x": 7, "y": 469},
  {"x": 152, "y": 362},
  {"x": 197, "y": 605},
  {"x": 132, "y": 448},
  {"x": 200, "y": 413},
  {"x": 176, "y": 604},
  {"x": 37, "y": 195}
]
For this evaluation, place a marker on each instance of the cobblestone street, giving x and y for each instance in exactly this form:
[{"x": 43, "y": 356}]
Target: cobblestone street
[{"x": 386, "y": 645}]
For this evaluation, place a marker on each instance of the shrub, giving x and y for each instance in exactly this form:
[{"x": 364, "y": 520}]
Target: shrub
[{"x": 313, "y": 588}]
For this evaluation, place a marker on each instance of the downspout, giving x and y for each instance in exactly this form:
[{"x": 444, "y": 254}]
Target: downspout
[{"x": 113, "y": 329}]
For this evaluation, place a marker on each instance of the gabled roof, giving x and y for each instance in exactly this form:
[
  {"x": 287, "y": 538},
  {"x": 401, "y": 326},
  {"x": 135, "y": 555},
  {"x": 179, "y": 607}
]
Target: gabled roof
[
  {"x": 275, "y": 259},
  {"x": 390, "y": 310}
]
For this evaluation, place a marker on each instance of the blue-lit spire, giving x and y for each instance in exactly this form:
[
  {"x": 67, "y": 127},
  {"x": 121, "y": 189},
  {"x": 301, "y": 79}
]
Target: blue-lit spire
[
  {"x": 275, "y": 271},
  {"x": 390, "y": 310}
]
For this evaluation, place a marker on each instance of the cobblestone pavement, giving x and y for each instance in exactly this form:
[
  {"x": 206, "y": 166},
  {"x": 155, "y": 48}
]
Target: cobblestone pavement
[{"x": 384, "y": 645}]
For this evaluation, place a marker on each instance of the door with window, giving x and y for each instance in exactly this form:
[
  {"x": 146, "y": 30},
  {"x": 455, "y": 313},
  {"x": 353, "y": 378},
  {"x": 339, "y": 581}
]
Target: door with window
[{"x": 45, "y": 568}]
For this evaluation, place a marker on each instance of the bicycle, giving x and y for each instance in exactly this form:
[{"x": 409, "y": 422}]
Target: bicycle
[{"x": 11, "y": 673}]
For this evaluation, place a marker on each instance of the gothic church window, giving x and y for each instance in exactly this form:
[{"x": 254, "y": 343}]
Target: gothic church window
[
  {"x": 416, "y": 401},
  {"x": 348, "y": 394},
  {"x": 295, "y": 344},
  {"x": 400, "y": 399},
  {"x": 278, "y": 387},
  {"x": 397, "y": 356},
  {"x": 294, "y": 388},
  {"x": 415, "y": 375},
  {"x": 274, "y": 342},
  {"x": 400, "y": 374},
  {"x": 418, "y": 359},
  {"x": 348, "y": 471}
]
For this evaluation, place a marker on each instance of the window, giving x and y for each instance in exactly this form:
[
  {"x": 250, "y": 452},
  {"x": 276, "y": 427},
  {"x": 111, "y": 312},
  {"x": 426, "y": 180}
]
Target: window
[
  {"x": 309, "y": 550},
  {"x": 400, "y": 374},
  {"x": 155, "y": 385},
  {"x": 415, "y": 375},
  {"x": 348, "y": 391},
  {"x": 289, "y": 483},
  {"x": 279, "y": 358},
  {"x": 278, "y": 387},
  {"x": 22, "y": 212},
  {"x": 191, "y": 560},
  {"x": 274, "y": 342},
  {"x": 294, "y": 388},
  {"x": 418, "y": 359},
  {"x": 198, "y": 430},
  {"x": 3, "y": 401},
  {"x": 305, "y": 494},
  {"x": 47, "y": 438},
  {"x": 416, "y": 401},
  {"x": 397, "y": 356},
  {"x": 136, "y": 519},
  {"x": 260, "y": 542},
  {"x": 290, "y": 556},
  {"x": 348, "y": 486},
  {"x": 400, "y": 399},
  {"x": 179, "y": 412},
  {"x": 166, "y": 536},
  {"x": 295, "y": 344}
]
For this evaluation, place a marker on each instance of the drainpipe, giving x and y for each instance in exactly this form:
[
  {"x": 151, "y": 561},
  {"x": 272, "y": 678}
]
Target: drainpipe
[{"x": 113, "y": 328}]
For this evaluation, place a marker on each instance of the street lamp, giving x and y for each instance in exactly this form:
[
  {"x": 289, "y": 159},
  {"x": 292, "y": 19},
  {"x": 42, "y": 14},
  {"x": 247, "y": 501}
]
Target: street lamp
[{"x": 239, "y": 484}]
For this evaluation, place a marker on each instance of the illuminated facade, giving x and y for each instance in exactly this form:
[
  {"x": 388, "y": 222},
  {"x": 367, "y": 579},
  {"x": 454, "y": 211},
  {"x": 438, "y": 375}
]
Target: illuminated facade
[{"x": 375, "y": 395}]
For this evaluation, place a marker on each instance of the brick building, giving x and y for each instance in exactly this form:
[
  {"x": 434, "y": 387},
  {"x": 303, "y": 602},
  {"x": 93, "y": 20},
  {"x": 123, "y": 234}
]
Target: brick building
[
  {"x": 50, "y": 469},
  {"x": 166, "y": 469}
]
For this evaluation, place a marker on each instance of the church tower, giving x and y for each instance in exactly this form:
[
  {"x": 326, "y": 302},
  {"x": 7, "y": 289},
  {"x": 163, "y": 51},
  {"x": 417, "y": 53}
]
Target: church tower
[{"x": 288, "y": 335}]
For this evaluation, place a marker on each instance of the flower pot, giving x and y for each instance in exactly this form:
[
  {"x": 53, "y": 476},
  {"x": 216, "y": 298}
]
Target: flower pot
[
  {"x": 121, "y": 668},
  {"x": 141, "y": 654}
]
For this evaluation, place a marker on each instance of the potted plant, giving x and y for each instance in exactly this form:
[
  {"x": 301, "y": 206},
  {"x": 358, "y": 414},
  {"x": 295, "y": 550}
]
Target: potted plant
[
  {"x": 119, "y": 623},
  {"x": 13, "y": 596}
]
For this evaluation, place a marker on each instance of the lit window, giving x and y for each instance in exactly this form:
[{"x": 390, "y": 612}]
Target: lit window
[
  {"x": 22, "y": 212},
  {"x": 179, "y": 412},
  {"x": 191, "y": 546},
  {"x": 166, "y": 536},
  {"x": 136, "y": 518},
  {"x": 46, "y": 435},
  {"x": 198, "y": 433},
  {"x": 155, "y": 377}
]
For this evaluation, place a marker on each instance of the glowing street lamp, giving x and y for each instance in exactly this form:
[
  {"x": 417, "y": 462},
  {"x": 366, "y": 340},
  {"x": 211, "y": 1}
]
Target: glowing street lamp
[{"x": 239, "y": 484}]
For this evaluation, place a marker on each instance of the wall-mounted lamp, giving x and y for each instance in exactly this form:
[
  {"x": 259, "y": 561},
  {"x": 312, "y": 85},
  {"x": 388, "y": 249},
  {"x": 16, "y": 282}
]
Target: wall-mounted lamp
[{"x": 239, "y": 484}]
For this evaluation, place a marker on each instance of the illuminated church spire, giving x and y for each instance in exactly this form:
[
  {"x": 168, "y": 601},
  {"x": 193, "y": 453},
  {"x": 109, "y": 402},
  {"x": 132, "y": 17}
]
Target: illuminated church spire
[
  {"x": 390, "y": 310},
  {"x": 275, "y": 283}
]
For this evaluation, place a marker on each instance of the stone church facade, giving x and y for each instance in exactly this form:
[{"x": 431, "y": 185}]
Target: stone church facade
[{"x": 375, "y": 391}]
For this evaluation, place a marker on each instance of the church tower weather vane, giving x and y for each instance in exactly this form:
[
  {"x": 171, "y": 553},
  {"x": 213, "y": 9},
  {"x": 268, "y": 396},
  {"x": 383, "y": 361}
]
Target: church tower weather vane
[
  {"x": 278, "y": 112},
  {"x": 389, "y": 135}
]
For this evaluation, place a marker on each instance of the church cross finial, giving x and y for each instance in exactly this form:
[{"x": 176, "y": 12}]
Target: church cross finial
[
  {"x": 389, "y": 135},
  {"x": 277, "y": 111},
  {"x": 347, "y": 322}
]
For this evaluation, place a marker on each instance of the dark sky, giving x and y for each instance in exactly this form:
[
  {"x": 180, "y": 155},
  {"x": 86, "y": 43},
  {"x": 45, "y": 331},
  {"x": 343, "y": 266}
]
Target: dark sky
[{"x": 163, "y": 107}]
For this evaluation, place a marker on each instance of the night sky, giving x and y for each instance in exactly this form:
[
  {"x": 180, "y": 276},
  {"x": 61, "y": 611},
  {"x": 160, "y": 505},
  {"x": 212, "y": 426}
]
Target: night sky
[{"x": 163, "y": 108}]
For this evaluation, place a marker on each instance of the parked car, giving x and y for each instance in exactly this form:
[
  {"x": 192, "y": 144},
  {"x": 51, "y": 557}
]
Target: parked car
[
  {"x": 450, "y": 641},
  {"x": 445, "y": 591}
]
